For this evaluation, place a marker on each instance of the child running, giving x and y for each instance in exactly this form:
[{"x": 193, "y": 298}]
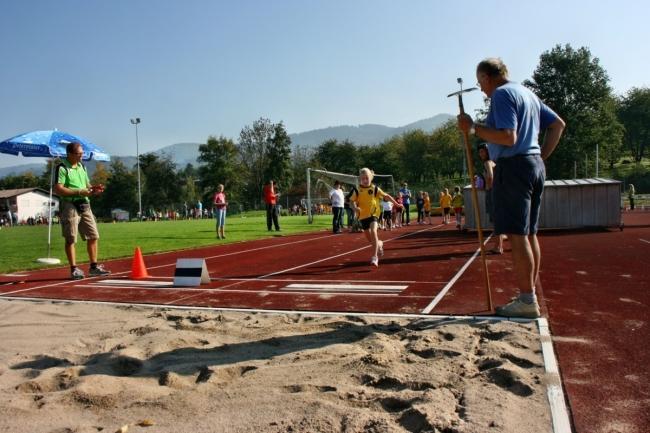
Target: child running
[
  {"x": 366, "y": 201},
  {"x": 457, "y": 202}
]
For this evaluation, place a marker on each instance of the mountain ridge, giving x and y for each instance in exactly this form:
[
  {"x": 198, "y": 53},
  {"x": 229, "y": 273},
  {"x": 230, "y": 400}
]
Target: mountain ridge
[{"x": 187, "y": 153}]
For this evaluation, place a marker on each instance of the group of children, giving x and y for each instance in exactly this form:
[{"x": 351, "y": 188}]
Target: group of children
[
  {"x": 392, "y": 216},
  {"x": 377, "y": 210}
]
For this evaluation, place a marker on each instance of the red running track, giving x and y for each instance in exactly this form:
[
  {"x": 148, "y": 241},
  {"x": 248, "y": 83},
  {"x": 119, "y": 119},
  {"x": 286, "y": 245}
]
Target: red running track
[
  {"x": 594, "y": 289},
  {"x": 419, "y": 262}
]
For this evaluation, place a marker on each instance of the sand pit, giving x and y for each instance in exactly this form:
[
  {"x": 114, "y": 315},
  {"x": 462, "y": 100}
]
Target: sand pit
[{"x": 90, "y": 368}]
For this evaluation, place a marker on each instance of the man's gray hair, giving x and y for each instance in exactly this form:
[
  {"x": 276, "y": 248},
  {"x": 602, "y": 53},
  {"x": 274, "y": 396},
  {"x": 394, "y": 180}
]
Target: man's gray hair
[{"x": 493, "y": 67}]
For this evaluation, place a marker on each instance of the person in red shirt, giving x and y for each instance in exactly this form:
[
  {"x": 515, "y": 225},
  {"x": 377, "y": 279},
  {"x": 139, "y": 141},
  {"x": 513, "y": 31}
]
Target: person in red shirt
[{"x": 271, "y": 200}]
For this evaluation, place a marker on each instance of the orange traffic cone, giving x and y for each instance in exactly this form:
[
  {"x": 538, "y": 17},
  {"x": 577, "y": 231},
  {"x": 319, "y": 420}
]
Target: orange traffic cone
[{"x": 138, "y": 269}]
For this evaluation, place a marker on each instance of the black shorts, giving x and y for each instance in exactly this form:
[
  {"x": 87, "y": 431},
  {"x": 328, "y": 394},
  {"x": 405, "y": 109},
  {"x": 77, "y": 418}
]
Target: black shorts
[
  {"x": 447, "y": 210},
  {"x": 517, "y": 194},
  {"x": 365, "y": 223},
  {"x": 388, "y": 214}
]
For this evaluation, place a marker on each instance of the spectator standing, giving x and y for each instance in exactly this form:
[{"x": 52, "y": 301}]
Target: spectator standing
[
  {"x": 271, "y": 201},
  {"x": 387, "y": 207},
  {"x": 445, "y": 205},
  {"x": 73, "y": 187},
  {"x": 630, "y": 196},
  {"x": 406, "y": 201},
  {"x": 419, "y": 206},
  {"x": 338, "y": 201},
  {"x": 515, "y": 120},
  {"x": 427, "y": 207},
  {"x": 397, "y": 211},
  {"x": 220, "y": 206}
]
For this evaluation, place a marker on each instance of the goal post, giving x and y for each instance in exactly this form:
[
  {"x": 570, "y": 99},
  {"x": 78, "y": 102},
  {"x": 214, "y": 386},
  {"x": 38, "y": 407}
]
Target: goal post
[{"x": 320, "y": 183}]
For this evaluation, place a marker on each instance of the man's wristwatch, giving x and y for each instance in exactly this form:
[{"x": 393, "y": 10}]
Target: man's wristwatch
[{"x": 472, "y": 129}]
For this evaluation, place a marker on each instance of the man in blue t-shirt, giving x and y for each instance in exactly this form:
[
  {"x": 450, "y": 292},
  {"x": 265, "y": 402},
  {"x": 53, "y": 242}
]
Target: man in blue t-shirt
[
  {"x": 406, "y": 201},
  {"x": 515, "y": 120}
]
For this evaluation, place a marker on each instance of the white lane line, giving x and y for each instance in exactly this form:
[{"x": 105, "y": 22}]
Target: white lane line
[
  {"x": 125, "y": 287},
  {"x": 360, "y": 287},
  {"x": 46, "y": 286},
  {"x": 313, "y": 263},
  {"x": 554, "y": 391},
  {"x": 643, "y": 240},
  {"x": 344, "y": 254},
  {"x": 275, "y": 311},
  {"x": 171, "y": 264},
  {"x": 135, "y": 283},
  {"x": 455, "y": 278},
  {"x": 291, "y": 280}
]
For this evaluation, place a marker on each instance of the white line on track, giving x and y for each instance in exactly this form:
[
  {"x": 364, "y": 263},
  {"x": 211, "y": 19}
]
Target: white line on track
[
  {"x": 643, "y": 240},
  {"x": 263, "y": 277},
  {"x": 366, "y": 287},
  {"x": 173, "y": 263},
  {"x": 261, "y": 291},
  {"x": 270, "y": 311},
  {"x": 451, "y": 282},
  {"x": 554, "y": 391},
  {"x": 343, "y": 254}
]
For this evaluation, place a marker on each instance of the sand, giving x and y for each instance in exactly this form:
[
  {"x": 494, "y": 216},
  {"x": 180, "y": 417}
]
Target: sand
[{"x": 90, "y": 368}]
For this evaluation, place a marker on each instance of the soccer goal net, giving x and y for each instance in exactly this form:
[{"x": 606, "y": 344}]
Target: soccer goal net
[{"x": 321, "y": 182}]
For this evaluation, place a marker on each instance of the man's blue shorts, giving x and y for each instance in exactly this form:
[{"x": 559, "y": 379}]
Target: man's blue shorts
[{"x": 517, "y": 194}]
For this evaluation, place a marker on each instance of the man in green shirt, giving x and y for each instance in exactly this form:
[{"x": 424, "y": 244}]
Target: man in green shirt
[{"x": 73, "y": 187}]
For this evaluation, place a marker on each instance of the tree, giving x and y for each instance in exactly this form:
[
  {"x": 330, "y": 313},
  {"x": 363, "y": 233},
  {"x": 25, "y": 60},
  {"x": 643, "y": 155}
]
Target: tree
[
  {"x": 278, "y": 156},
  {"x": 416, "y": 156},
  {"x": 575, "y": 85},
  {"x": 101, "y": 176},
  {"x": 338, "y": 156},
  {"x": 253, "y": 148},
  {"x": 302, "y": 158},
  {"x": 120, "y": 192},
  {"x": 634, "y": 113},
  {"x": 162, "y": 185},
  {"x": 25, "y": 180},
  {"x": 219, "y": 164},
  {"x": 447, "y": 153}
]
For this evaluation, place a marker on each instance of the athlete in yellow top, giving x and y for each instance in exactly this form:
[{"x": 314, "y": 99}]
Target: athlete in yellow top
[
  {"x": 366, "y": 200},
  {"x": 427, "y": 207},
  {"x": 445, "y": 204}
]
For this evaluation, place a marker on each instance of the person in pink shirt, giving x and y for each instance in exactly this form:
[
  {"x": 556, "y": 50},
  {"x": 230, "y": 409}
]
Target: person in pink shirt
[{"x": 220, "y": 205}]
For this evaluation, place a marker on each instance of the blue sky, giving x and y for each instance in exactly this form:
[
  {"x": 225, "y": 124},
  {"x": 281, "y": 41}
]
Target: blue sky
[{"x": 193, "y": 68}]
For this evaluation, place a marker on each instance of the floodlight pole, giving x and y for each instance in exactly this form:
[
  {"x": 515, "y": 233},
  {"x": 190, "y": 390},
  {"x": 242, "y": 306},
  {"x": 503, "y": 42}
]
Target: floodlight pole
[
  {"x": 310, "y": 217},
  {"x": 136, "y": 122}
]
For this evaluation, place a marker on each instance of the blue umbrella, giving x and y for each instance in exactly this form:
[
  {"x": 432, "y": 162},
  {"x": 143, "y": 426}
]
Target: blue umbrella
[{"x": 50, "y": 144}]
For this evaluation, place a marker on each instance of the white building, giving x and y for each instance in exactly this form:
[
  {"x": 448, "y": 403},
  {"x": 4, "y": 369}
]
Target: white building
[{"x": 27, "y": 202}]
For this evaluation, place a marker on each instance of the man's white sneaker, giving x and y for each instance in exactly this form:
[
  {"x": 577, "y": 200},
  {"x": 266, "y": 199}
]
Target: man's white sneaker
[
  {"x": 374, "y": 261},
  {"x": 99, "y": 271},
  {"x": 77, "y": 274},
  {"x": 518, "y": 308}
]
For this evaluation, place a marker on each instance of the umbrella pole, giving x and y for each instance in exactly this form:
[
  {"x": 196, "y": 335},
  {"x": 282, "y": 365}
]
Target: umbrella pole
[
  {"x": 49, "y": 206},
  {"x": 49, "y": 260}
]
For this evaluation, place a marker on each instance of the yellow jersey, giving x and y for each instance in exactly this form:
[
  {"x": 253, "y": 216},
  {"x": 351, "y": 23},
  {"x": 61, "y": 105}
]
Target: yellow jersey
[
  {"x": 445, "y": 201},
  {"x": 427, "y": 204},
  {"x": 368, "y": 200}
]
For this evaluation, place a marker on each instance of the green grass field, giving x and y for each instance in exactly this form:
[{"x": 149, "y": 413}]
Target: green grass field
[{"x": 22, "y": 245}]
